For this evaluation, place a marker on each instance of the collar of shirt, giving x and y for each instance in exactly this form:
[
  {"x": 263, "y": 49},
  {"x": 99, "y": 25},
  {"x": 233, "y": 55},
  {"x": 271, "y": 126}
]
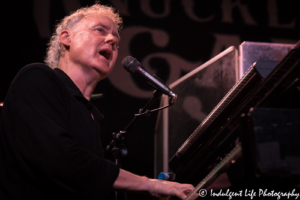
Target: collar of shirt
[{"x": 74, "y": 91}]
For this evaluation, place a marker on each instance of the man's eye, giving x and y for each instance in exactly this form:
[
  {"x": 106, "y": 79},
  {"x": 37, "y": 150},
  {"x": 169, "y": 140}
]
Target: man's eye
[{"x": 101, "y": 30}]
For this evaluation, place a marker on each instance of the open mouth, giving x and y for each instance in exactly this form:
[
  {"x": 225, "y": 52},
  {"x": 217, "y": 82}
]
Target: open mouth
[{"x": 106, "y": 54}]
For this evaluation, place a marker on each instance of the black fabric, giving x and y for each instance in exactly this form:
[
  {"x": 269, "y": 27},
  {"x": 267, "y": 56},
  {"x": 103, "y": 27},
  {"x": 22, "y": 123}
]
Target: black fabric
[{"x": 50, "y": 143}]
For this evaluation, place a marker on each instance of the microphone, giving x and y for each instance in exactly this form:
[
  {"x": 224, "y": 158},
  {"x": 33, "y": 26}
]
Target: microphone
[{"x": 132, "y": 65}]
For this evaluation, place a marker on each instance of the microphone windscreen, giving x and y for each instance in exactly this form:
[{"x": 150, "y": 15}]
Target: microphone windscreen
[{"x": 131, "y": 64}]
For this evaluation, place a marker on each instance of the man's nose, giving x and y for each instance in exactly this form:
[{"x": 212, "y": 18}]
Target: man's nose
[{"x": 110, "y": 38}]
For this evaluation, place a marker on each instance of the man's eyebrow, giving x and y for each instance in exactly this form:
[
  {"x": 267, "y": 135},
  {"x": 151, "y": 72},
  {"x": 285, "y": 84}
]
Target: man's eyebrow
[{"x": 116, "y": 34}]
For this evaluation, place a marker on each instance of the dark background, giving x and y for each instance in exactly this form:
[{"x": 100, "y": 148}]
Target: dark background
[{"x": 196, "y": 31}]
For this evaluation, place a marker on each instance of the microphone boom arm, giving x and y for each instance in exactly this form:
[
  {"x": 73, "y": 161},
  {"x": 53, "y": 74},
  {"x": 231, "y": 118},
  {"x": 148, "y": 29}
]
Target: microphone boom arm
[
  {"x": 144, "y": 111},
  {"x": 172, "y": 100}
]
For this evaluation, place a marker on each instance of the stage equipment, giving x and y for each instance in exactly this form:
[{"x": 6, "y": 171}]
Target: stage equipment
[{"x": 233, "y": 139}]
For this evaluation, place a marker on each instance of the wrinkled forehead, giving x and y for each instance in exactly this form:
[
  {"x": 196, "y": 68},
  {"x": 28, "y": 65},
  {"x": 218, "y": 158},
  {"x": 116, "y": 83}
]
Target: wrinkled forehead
[{"x": 99, "y": 19}]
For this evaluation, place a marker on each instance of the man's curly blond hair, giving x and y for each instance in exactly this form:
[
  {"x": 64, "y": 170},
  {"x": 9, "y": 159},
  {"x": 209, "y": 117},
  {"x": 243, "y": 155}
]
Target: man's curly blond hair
[{"x": 54, "y": 49}]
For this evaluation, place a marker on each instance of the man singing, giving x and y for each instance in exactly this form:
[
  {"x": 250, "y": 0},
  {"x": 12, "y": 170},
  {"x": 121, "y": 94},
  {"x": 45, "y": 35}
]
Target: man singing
[{"x": 50, "y": 132}]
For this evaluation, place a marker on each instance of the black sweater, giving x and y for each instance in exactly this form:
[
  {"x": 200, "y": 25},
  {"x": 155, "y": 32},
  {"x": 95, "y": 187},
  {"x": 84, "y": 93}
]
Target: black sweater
[{"x": 49, "y": 143}]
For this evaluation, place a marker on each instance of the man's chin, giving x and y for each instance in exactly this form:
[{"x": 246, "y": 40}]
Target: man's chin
[
  {"x": 103, "y": 70},
  {"x": 103, "y": 74}
]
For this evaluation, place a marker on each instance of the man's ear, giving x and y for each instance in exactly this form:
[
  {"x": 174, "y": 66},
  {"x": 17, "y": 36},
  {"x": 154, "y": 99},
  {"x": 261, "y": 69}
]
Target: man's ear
[{"x": 65, "y": 39}]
